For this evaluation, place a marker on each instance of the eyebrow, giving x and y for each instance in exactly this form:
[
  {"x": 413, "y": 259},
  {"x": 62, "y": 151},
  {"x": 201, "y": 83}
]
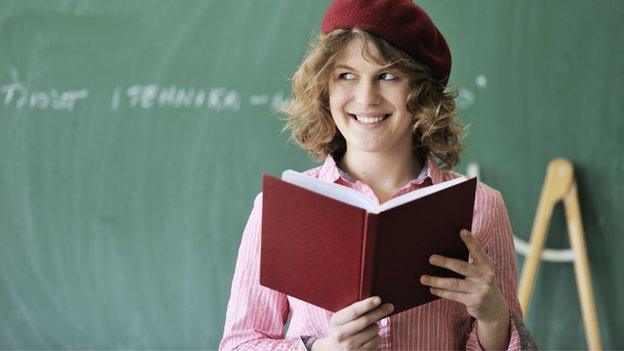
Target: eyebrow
[{"x": 340, "y": 65}]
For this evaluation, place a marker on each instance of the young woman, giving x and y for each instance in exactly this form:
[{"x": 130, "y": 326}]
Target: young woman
[{"x": 369, "y": 99}]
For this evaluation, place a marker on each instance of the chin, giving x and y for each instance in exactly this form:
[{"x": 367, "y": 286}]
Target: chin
[{"x": 371, "y": 148}]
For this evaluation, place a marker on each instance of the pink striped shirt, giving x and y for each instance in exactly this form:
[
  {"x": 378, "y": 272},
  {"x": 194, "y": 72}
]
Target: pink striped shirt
[{"x": 256, "y": 315}]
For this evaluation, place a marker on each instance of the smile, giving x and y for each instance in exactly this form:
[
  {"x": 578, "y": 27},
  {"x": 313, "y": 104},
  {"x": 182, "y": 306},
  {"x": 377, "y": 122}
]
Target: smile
[{"x": 369, "y": 119}]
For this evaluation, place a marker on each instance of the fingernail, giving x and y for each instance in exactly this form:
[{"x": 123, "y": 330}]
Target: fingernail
[
  {"x": 433, "y": 258},
  {"x": 376, "y": 301},
  {"x": 390, "y": 307}
]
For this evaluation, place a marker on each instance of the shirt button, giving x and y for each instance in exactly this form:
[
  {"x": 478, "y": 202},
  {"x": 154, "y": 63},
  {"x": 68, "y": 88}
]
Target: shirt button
[{"x": 383, "y": 322}]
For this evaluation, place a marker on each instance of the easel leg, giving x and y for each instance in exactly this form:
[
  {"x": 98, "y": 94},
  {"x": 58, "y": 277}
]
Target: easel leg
[{"x": 581, "y": 268}]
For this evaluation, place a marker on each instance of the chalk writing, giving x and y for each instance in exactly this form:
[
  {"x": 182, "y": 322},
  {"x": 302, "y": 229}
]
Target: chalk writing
[
  {"x": 17, "y": 95},
  {"x": 139, "y": 96},
  {"x": 154, "y": 95}
]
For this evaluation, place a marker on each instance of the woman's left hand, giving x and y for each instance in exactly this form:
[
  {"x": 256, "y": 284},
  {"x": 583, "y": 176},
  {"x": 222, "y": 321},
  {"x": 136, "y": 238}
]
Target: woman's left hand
[{"x": 478, "y": 290}]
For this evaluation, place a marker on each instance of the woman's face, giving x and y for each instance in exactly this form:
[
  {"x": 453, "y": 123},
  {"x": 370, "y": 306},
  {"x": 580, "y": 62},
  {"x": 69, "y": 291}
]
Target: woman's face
[{"x": 369, "y": 104}]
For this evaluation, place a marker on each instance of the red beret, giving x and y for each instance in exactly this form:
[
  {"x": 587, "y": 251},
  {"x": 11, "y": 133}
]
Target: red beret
[{"x": 401, "y": 23}]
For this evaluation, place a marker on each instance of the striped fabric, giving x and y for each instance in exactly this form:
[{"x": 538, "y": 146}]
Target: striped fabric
[{"x": 256, "y": 315}]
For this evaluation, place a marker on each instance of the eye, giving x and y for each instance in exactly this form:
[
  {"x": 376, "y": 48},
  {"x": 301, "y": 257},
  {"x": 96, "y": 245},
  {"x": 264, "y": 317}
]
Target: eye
[
  {"x": 346, "y": 76},
  {"x": 388, "y": 76}
]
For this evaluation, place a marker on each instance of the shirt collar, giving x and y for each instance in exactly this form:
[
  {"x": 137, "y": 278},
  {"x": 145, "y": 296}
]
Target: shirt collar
[{"x": 330, "y": 172}]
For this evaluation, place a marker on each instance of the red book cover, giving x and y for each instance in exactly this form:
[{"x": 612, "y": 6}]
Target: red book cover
[{"x": 320, "y": 249}]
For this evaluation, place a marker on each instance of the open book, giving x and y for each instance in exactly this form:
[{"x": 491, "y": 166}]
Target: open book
[{"x": 328, "y": 245}]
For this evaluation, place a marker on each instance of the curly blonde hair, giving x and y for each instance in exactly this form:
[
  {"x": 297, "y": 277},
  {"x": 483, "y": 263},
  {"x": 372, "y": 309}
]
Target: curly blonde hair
[{"x": 309, "y": 117}]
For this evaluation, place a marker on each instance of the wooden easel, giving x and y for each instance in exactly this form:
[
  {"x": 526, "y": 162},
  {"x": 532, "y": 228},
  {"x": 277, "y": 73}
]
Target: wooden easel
[{"x": 561, "y": 185}]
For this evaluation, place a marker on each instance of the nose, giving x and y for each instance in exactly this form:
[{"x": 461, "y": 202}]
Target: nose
[{"x": 367, "y": 93}]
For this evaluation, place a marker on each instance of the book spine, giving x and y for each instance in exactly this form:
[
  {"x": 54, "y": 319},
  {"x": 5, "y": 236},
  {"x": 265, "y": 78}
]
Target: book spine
[{"x": 368, "y": 253}]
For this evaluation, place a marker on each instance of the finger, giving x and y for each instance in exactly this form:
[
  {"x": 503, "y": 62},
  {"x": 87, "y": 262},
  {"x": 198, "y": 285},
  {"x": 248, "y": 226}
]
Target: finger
[
  {"x": 463, "y": 298},
  {"x": 459, "y": 285},
  {"x": 369, "y": 318},
  {"x": 355, "y": 310},
  {"x": 462, "y": 267},
  {"x": 372, "y": 344},
  {"x": 365, "y": 335},
  {"x": 476, "y": 251}
]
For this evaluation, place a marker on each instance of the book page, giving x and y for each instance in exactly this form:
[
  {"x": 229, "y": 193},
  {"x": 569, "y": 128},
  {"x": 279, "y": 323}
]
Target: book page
[
  {"x": 417, "y": 194},
  {"x": 331, "y": 190},
  {"x": 354, "y": 197}
]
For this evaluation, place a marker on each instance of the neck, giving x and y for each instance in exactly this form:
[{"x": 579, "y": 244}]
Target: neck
[{"x": 383, "y": 172}]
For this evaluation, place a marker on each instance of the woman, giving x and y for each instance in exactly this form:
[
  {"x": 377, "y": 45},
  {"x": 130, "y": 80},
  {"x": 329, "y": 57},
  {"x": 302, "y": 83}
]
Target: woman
[{"x": 369, "y": 99}]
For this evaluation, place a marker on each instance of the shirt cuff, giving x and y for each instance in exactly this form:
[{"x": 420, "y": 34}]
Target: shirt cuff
[
  {"x": 308, "y": 340},
  {"x": 519, "y": 339},
  {"x": 526, "y": 339}
]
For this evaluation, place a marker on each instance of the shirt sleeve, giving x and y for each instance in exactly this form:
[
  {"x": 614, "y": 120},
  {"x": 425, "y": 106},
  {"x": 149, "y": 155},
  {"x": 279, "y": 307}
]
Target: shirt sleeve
[
  {"x": 498, "y": 244},
  {"x": 255, "y": 315}
]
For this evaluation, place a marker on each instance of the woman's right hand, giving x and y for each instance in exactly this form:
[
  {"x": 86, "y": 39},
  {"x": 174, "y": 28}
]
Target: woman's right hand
[{"x": 354, "y": 326}]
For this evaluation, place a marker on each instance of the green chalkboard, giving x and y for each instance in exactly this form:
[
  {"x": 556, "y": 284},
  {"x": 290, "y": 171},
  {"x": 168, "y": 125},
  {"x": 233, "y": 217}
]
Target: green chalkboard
[{"x": 133, "y": 135}]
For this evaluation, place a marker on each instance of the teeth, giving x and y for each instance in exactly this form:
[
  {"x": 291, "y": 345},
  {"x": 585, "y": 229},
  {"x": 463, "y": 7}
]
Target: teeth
[{"x": 369, "y": 120}]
